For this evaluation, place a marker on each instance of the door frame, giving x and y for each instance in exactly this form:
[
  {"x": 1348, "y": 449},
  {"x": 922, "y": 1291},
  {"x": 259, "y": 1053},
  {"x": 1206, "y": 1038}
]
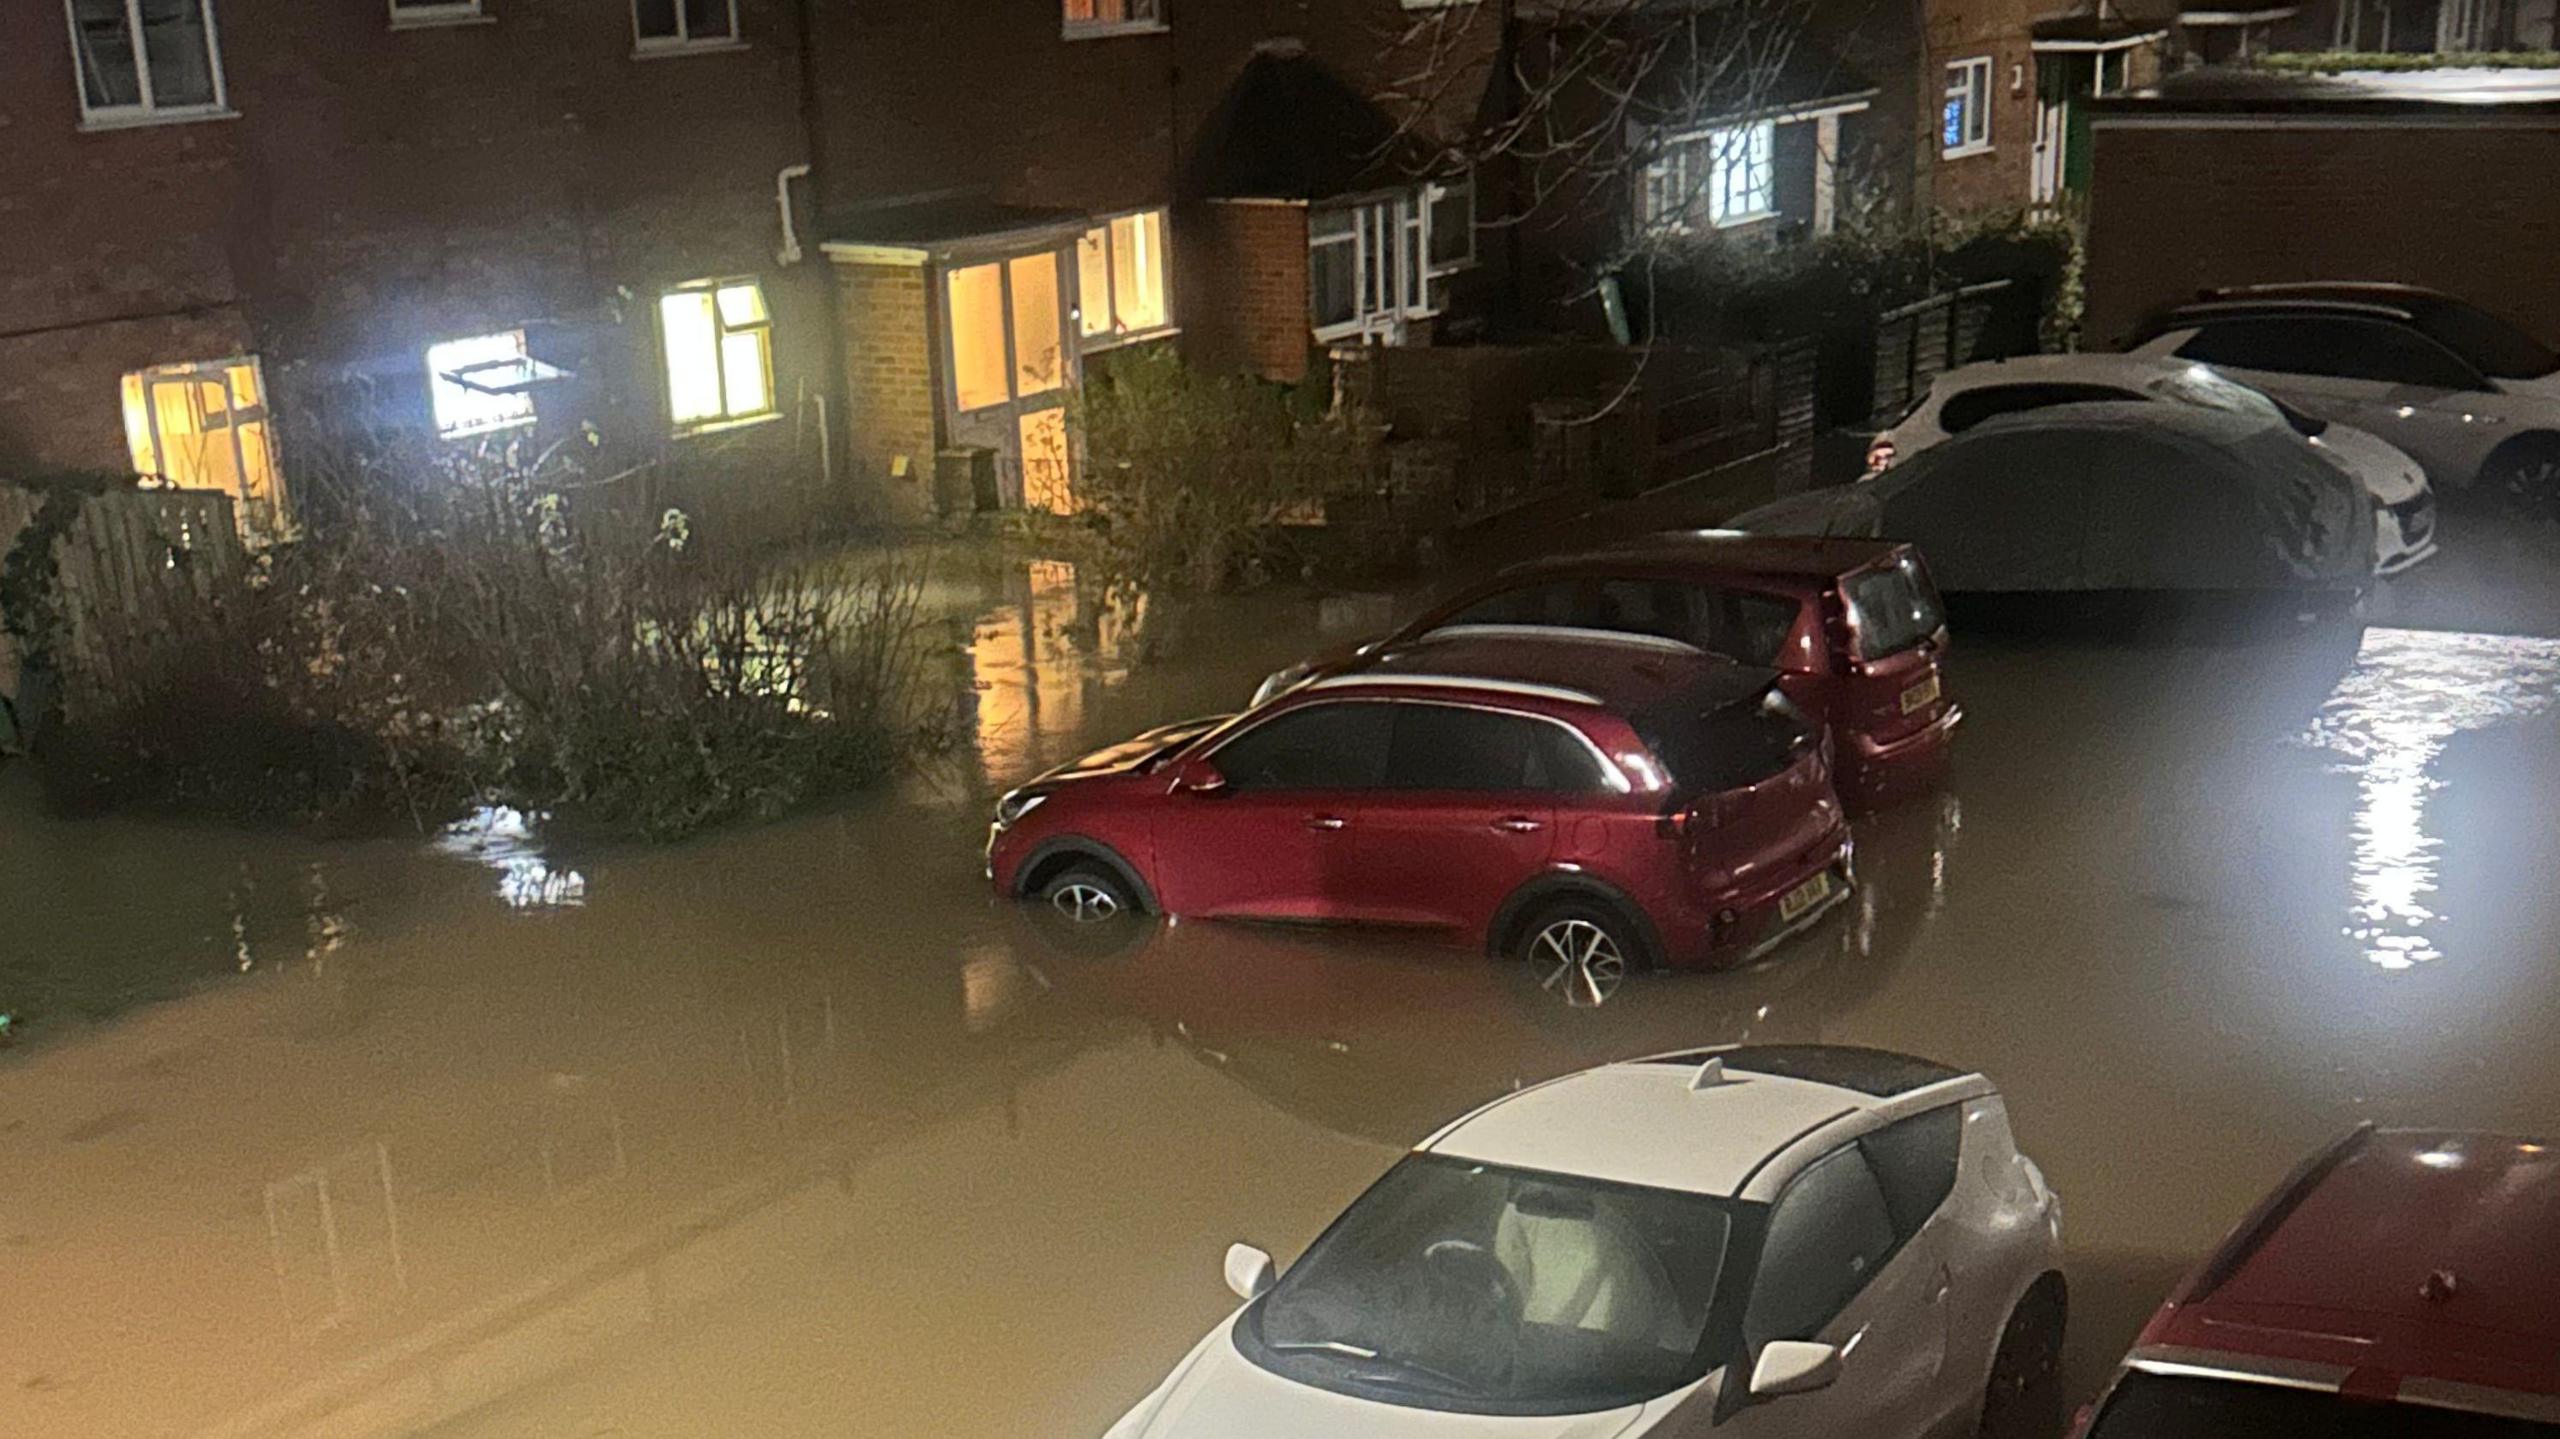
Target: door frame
[{"x": 998, "y": 427}]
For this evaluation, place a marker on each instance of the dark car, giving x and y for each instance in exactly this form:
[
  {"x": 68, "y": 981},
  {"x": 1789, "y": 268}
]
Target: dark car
[
  {"x": 2401, "y": 1284},
  {"x": 1572, "y": 800},
  {"x": 1853, "y": 627},
  {"x": 2114, "y": 499}
]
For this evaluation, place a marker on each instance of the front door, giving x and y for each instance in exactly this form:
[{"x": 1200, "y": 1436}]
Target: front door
[
  {"x": 1276, "y": 839},
  {"x": 1011, "y": 360}
]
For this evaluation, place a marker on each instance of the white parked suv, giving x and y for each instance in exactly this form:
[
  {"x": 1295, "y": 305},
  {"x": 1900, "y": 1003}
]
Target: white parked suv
[
  {"x": 1772, "y": 1240},
  {"x": 2403, "y": 502}
]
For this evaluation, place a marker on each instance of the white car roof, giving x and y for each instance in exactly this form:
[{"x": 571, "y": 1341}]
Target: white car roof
[
  {"x": 2092, "y": 367},
  {"x": 1651, "y": 1122}
]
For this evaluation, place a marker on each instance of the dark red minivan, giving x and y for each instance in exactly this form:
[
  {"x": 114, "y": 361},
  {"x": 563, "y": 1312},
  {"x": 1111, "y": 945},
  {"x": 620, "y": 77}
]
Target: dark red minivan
[
  {"x": 1584, "y": 801},
  {"x": 1853, "y": 626}
]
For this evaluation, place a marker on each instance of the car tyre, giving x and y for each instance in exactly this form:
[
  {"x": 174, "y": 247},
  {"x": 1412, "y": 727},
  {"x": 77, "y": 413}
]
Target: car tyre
[
  {"x": 1088, "y": 892},
  {"x": 2524, "y": 476},
  {"x": 1580, "y": 950},
  {"x": 2024, "y": 1397}
]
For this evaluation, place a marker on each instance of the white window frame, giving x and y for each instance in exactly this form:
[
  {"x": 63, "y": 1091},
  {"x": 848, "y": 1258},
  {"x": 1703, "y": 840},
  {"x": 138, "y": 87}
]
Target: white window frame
[
  {"x": 149, "y": 111},
  {"x": 1406, "y": 294},
  {"x": 645, "y": 47},
  {"x": 1111, "y": 334},
  {"x": 1432, "y": 195},
  {"x": 1969, "y": 78},
  {"x": 436, "y": 14},
  {"x": 1158, "y": 23},
  {"x": 1691, "y": 175},
  {"x": 721, "y": 329},
  {"x": 437, "y": 381}
]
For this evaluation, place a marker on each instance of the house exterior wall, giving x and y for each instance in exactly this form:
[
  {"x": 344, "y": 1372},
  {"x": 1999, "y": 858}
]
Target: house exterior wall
[
  {"x": 2000, "y": 176},
  {"x": 2176, "y": 208},
  {"x": 382, "y": 188},
  {"x": 1252, "y": 255},
  {"x": 889, "y": 382}
]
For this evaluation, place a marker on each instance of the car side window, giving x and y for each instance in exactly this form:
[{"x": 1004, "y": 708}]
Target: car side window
[
  {"x": 1458, "y": 748},
  {"x": 1746, "y": 626},
  {"x": 2346, "y": 349},
  {"x": 1971, "y": 407},
  {"x": 1915, "y": 1164},
  {"x": 1828, "y": 1235},
  {"x": 1554, "y": 602},
  {"x": 1323, "y": 746}
]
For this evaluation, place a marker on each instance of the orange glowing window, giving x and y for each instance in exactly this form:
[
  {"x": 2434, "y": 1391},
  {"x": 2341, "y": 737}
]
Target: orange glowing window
[
  {"x": 205, "y": 427},
  {"x": 977, "y": 336}
]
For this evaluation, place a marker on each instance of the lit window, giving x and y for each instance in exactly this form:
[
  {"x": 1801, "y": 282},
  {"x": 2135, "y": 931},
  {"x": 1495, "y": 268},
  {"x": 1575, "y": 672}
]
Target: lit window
[
  {"x": 1047, "y": 469},
  {"x": 1365, "y": 270},
  {"x": 1724, "y": 175},
  {"x": 146, "y": 59},
  {"x": 1120, "y": 277},
  {"x": 1966, "y": 129},
  {"x": 418, "y": 14},
  {"x": 659, "y": 25},
  {"x": 464, "y": 376},
  {"x": 719, "y": 345},
  {"x": 993, "y": 362},
  {"x": 1111, "y": 17},
  {"x": 204, "y": 427}
]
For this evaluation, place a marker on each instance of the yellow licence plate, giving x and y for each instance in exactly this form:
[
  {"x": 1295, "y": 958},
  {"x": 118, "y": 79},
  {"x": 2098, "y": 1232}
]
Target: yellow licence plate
[
  {"x": 1804, "y": 896},
  {"x": 1921, "y": 695}
]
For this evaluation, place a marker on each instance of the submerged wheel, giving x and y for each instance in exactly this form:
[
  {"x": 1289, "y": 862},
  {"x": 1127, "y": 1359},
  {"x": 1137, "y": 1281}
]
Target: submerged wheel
[
  {"x": 2024, "y": 1399},
  {"x": 1580, "y": 952},
  {"x": 1088, "y": 893},
  {"x": 2524, "y": 475}
]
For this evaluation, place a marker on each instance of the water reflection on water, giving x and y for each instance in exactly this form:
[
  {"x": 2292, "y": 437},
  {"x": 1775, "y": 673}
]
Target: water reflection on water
[{"x": 2387, "y": 725}]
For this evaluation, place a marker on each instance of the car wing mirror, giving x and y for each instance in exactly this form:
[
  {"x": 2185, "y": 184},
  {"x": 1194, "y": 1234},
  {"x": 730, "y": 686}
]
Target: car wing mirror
[
  {"x": 1788, "y": 1366},
  {"x": 1199, "y": 777},
  {"x": 1249, "y": 1271}
]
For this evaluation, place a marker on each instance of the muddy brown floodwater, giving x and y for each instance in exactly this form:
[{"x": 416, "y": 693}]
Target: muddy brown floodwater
[{"x": 795, "y": 1131}]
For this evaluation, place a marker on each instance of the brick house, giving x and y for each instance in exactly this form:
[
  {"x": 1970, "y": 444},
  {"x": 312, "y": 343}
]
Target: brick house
[
  {"x": 2221, "y": 177},
  {"x": 470, "y": 215}
]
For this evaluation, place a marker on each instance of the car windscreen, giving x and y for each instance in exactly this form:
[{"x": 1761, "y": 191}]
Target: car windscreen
[
  {"x": 2499, "y": 349},
  {"x": 1484, "y": 1289},
  {"x": 2170, "y": 1406},
  {"x": 1894, "y": 608},
  {"x": 1726, "y": 747},
  {"x": 1968, "y": 408}
]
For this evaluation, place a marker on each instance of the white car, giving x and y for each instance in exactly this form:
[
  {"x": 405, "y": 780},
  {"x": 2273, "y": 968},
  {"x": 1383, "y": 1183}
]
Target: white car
[
  {"x": 2404, "y": 504},
  {"x": 1774, "y": 1240},
  {"x": 2474, "y": 399}
]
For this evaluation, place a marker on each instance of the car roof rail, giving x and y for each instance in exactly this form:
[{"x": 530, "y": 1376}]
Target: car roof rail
[
  {"x": 2262, "y": 1222},
  {"x": 1373, "y": 679},
  {"x": 2289, "y": 305},
  {"x": 1576, "y": 633}
]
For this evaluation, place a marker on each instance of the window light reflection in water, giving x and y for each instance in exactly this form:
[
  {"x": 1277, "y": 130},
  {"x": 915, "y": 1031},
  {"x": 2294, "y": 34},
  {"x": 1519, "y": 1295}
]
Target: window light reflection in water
[
  {"x": 2387, "y": 723},
  {"x": 504, "y": 840}
]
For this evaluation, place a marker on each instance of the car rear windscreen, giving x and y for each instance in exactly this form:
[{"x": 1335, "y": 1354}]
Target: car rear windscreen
[
  {"x": 1894, "y": 609},
  {"x": 1968, "y": 408},
  {"x": 1728, "y": 747}
]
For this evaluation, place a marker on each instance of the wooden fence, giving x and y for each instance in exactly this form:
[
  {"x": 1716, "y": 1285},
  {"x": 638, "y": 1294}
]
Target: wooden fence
[{"x": 132, "y": 569}]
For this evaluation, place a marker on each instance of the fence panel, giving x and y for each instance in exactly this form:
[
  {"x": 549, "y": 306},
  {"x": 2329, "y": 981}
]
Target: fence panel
[{"x": 133, "y": 569}]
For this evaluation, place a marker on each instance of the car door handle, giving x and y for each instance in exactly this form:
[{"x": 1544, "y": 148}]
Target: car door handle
[
  {"x": 1519, "y": 824},
  {"x": 1325, "y": 821}
]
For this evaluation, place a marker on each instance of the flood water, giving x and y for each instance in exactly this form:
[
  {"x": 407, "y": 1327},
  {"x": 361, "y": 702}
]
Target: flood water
[{"x": 795, "y": 1131}]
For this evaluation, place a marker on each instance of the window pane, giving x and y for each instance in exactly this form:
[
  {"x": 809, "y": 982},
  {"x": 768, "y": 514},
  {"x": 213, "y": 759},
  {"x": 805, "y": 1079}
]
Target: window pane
[
  {"x": 1915, "y": 1163},
  {"x": 1334, "y": 746},
  {"x": 1325, "y": 224},
  {"x": 1826, "y": 1237},
  {"x": 692, "y": 334},
  {"x": 1443, "y": 747},
  {"x": 462, "y": 410},
  {"x": 1093, "y": 282},
  {"x": 745, "y": 378},
  {"x": 656, "y": 19},
  {"x": 1037, "y": 332},
  {"x": 1453, "y": 223},
  {"x": 977, "y": 336},
  {"x": 1137, "y": 270},
  {"x": 1412, "y": 253},
  {"x": 1333, "y": 283},
  {"x": 173, "y": 35},
  {"x": 707, "y": 19},
  {"x": 742, "y": 305},
  {"x": 1045, "y": 475},
  {"x": 107, "y": 77}
]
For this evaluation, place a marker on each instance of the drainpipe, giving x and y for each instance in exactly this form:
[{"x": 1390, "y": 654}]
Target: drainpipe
[{"x": 789, "y": 254}]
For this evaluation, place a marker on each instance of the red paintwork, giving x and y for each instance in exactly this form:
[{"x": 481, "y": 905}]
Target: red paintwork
[
  {"x": 2337, "y": 1279},
  {"x": 1879, "y": 753},
  {"x": 1448, "y": 862}
]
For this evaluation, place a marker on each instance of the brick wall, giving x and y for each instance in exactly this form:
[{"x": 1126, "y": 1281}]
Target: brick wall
[
  {"x": 889, "y": 379},
  {"x": 1962, "y": 30},
  {"x": 2176, "y": 210},
  {"x": 1243, "y": 271}
]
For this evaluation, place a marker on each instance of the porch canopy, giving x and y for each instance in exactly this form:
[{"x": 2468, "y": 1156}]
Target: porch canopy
[{"x": 938, "y": 226}]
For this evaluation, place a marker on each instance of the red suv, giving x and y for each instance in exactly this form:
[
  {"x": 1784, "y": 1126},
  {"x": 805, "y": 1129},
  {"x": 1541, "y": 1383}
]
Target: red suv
[
  {"x": 2399, "y": 1284},
  {"x": 1585, "y": 801},
  {"x": 1853, "y": 626}
]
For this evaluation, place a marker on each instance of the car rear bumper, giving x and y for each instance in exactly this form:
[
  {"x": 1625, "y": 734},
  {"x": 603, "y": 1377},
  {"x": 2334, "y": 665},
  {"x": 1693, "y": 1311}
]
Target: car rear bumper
[
  {"x": 1872, "y": 770},
  {"x": 1737, "y": 927}
]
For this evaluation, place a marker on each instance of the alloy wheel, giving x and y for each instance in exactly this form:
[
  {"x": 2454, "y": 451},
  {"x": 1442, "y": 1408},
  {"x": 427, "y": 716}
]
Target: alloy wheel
[
  {"x": 1578, "y": 961},
  {"x": 1085, "y": 903}
]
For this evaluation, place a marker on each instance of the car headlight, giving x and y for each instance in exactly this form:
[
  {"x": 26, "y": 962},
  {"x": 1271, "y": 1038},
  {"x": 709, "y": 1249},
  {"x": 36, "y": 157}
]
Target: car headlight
[
  {"x": 1282, "y": 681},
  {"x": 1014, "y": 806}
]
